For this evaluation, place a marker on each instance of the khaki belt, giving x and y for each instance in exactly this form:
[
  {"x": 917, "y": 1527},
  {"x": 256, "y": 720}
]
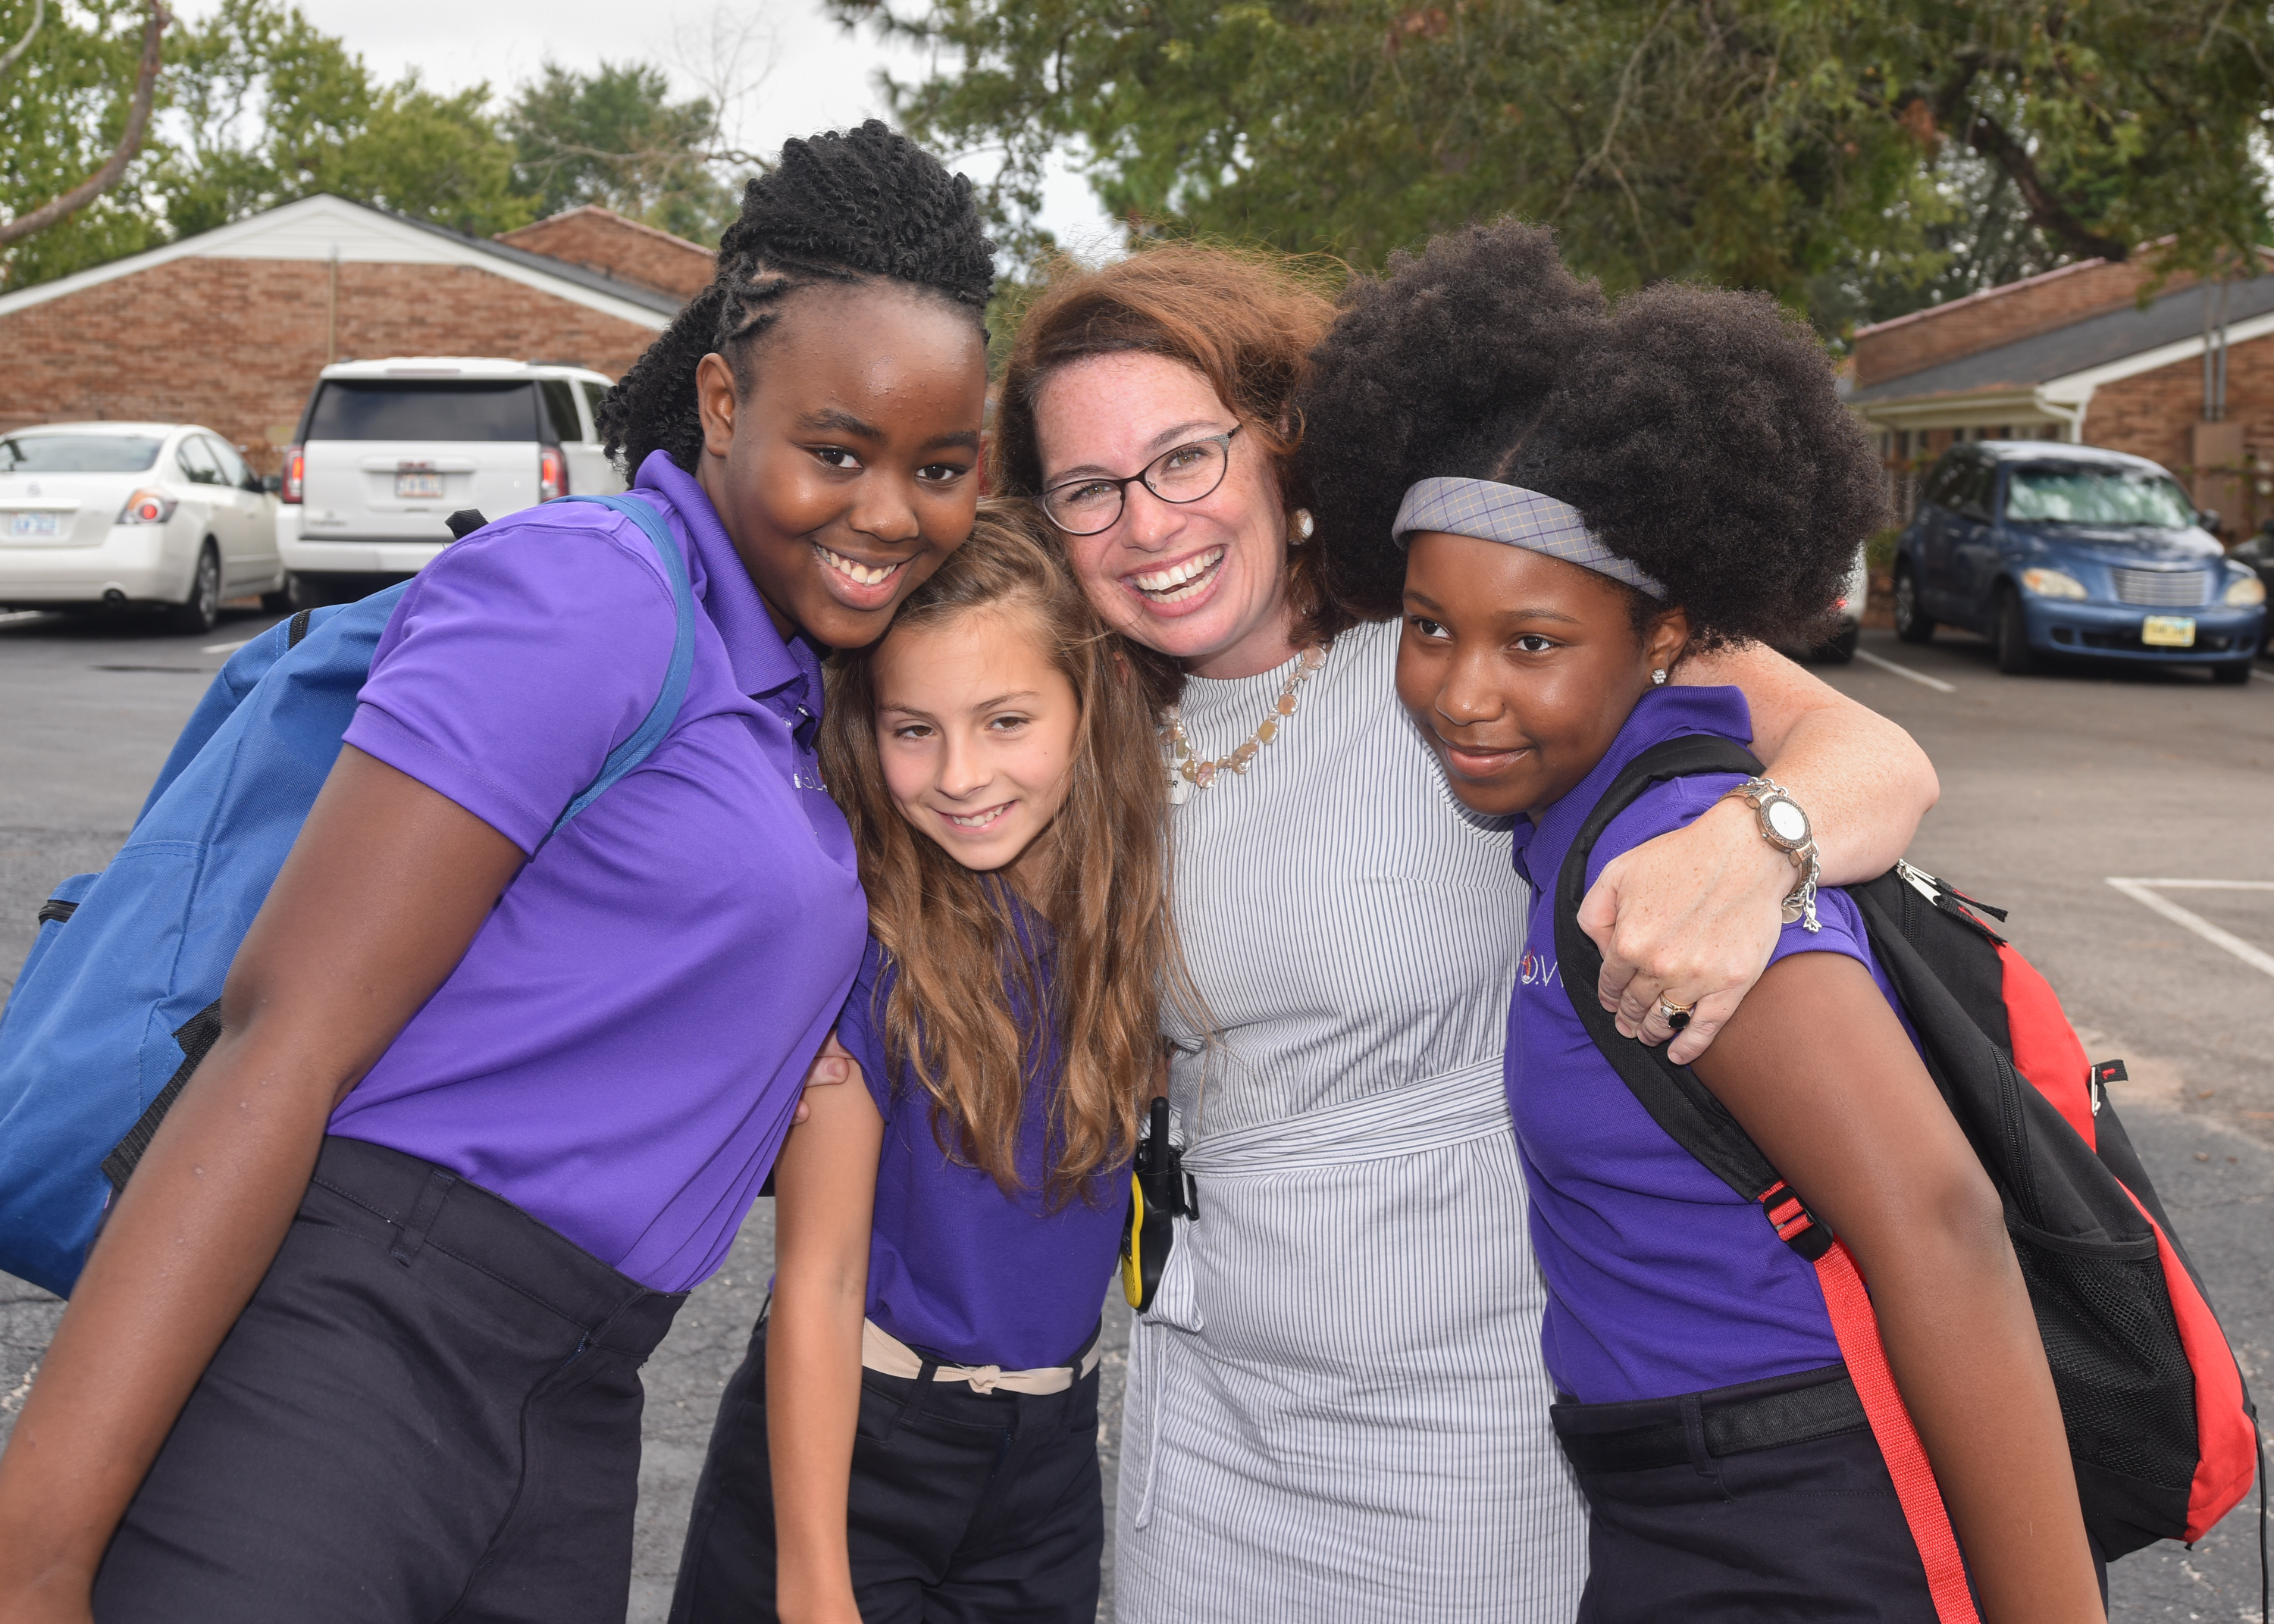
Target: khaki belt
[{"x": 888, "y": 1356}]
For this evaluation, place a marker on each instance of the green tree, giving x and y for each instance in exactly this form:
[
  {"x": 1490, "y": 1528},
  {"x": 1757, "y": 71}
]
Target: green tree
[
  {"x": 272, "y": 108},
  {"x": 1976, "y": 233},
  {"x": 436, "y": 157},
  {"x": 259, "y": 106},
  {"x": 2117, "y": 122},
  {"x": 68, "y": 83},
  {"x": 1826, "y": 150},
  {"x": 615, "y": 138}
]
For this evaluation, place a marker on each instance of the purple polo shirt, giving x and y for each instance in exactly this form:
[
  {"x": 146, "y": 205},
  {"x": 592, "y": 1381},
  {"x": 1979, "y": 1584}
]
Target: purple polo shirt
[
  {"x": 1662, "y": 1279},
  {"x": 956, "y": 1268},
  {"x": 619, "y": 1051}
]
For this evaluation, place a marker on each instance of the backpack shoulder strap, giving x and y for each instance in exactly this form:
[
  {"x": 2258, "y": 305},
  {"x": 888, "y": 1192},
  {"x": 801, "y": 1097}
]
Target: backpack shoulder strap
[
  {"x": 665, "y": 711},
  {"x": 1676, "y": 1100},
  {"x": 1702, "y": 1126}
]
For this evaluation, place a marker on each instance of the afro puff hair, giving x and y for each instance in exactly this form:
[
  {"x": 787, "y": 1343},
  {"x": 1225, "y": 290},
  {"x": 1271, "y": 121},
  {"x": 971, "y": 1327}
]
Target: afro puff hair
[
  {"x": 842, "y": 207},
  {"x": 1696, "y": 429},
  {"x": 1424, "y": 372}
]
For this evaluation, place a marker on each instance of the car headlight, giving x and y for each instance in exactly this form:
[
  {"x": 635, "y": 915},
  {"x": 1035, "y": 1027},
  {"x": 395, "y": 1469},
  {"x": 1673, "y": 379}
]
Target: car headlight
[
  {"x": 2243, "y": 592},
  {"x": 2054, "y": 584},
  {"x": 150, "y": 508}
]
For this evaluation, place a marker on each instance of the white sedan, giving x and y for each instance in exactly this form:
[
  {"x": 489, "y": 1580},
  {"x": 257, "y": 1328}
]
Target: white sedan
[{"x": 113, "y": 513}]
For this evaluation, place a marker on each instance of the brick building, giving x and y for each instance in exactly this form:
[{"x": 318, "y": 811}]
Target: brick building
[
  {"x": 2187, "y": 379},
  {"x": 229, "y": 327},
  {"x": 608, "y": 243}
]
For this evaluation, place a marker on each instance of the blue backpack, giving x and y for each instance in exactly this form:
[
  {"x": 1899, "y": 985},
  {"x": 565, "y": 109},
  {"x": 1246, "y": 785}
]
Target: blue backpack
[{"x": 120, "y": 997}]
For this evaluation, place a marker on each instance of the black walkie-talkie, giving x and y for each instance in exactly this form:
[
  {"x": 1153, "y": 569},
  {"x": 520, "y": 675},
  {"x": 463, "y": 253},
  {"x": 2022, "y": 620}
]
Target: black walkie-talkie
[{"x": 1161, "y": 1193}]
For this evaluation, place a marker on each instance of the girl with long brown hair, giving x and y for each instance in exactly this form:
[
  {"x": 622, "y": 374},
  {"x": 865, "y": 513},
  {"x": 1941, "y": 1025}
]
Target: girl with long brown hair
[{"x": 944, "y": 1235}]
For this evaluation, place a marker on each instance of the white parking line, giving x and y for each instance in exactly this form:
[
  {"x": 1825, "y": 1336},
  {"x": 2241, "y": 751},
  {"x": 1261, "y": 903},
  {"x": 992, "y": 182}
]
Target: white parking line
[
  {"x": 2139, "y": 891},
  {"x": 224, "y": 648},
  {"x": 1919, "y": 677}
]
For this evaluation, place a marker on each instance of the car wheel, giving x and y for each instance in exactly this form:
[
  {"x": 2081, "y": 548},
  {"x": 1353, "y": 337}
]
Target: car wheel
[
  {"x": 1912, "y": 624},
  {"x": 2013, "y": 636},
  {"x": 201, "y": 611},
  {"x": 2236, "y": 672},
  {"x": 1841, "y": 650}
]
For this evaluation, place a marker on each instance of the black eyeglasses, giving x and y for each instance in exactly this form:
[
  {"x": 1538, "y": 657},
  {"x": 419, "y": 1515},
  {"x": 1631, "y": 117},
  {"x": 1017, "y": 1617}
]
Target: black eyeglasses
[{"x": 1182, "y": 474}]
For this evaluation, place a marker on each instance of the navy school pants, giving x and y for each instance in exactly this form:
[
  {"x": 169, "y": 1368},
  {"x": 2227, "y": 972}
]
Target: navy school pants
[
  {"x": 429, "y": 1411},
  {"x": 1764, "y": 1503},
  {"x": 966, "y": 1507}
]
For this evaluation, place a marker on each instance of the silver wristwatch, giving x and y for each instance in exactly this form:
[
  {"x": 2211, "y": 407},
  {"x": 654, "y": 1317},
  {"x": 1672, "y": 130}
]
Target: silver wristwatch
[{"x": 1785, "y": 826}]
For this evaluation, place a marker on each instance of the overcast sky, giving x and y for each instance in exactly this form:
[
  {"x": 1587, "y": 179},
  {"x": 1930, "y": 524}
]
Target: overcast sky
[{"x": 822, "y": 77}]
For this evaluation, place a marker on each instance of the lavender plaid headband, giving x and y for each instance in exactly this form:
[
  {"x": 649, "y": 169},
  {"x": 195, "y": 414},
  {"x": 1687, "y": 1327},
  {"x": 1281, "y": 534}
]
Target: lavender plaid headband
[{"x": 1518, "y": 517}]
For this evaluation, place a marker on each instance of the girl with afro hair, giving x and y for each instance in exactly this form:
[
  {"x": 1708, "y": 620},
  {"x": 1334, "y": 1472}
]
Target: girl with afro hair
[
  {"x": 1562, "y": 512},
  {"x": 499, "y": 1073}
]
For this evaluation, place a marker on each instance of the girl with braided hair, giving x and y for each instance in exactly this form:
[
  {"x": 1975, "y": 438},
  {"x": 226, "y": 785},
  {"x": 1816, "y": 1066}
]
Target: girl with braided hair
[{"x": 494, "y": 1088}]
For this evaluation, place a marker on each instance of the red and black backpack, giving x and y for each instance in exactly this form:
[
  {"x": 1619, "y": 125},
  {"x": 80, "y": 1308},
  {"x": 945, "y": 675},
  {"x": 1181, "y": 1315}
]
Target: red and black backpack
[{"x": 2161, "y": 1430}]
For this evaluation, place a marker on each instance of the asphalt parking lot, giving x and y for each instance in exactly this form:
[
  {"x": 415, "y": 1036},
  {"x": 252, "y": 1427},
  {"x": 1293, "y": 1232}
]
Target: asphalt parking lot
[{"x": 2052, "y": 786}]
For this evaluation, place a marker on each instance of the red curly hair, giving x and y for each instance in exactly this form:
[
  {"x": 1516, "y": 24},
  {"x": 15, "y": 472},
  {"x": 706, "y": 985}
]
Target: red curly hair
[{"x": 1245, "y": 320}]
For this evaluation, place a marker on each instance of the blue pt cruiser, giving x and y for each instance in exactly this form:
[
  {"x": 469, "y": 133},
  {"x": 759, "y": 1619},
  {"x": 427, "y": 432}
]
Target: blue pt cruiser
[{"x": 2054, "y": 549}]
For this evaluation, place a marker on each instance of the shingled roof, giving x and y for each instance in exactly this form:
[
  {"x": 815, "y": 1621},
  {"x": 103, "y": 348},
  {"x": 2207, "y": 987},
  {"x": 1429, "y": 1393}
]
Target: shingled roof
[{"x": 2096, "y": 342}]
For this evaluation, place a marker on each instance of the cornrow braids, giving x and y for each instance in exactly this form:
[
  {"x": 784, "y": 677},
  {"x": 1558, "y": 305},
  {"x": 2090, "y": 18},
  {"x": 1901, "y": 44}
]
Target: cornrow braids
[{"x": 849, "y": 207}]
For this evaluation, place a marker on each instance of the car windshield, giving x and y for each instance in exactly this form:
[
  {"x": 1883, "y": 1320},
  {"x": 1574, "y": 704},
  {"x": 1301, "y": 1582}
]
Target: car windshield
[
  {"x": 426, "y": 408},
  {"x": 77, "y": 454},
  {"x": 2072, "y": 494}
]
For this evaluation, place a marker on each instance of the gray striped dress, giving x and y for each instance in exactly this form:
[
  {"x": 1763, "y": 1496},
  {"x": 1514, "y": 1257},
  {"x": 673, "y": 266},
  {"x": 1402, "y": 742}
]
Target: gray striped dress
[{"x": 1337, "y": 1411}]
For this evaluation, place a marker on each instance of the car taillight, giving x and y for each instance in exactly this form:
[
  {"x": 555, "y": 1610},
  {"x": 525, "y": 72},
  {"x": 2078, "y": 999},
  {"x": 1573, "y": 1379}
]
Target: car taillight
[
  {"x": 147, "y": 508},
  {"x": 552, "y": 474},
  {"x": 296, "y": 475}
]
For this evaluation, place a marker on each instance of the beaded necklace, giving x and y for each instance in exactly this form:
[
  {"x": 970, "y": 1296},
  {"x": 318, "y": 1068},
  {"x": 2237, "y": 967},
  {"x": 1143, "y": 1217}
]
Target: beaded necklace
[{"x": 1199, "y": 774}]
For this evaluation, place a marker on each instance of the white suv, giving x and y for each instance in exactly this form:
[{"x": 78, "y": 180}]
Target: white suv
[{"x": 387, "y": 450}]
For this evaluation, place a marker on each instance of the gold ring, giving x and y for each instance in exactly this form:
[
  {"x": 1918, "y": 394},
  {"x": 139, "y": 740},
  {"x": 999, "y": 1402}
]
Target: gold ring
[{"x": 1676, "y": 1015}]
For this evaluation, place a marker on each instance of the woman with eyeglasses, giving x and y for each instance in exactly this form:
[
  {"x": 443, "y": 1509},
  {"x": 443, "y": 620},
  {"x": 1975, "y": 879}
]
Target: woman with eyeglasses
[{"x": 1337, "y": 1411}]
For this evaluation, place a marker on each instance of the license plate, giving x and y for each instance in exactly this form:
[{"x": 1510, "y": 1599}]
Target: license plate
[
  {"x": 2168, "y": 631},
  {"x": 32, "y": 524},
  {"x": 416, "y": 487}
]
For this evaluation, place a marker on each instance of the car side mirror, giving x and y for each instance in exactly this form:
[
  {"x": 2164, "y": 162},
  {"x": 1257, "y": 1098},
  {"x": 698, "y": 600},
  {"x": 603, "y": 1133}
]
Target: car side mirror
[
  {"x": 2208, "y": 519},
  {"x": 270, "y": 484}
]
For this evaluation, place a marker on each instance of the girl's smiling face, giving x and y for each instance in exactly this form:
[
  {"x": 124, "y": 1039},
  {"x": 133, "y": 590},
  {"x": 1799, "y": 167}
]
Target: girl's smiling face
[
  {"x": 847, "y": 471},
  {"x": 977, "y": 733},
  {"x": 1520, "y": 669}
]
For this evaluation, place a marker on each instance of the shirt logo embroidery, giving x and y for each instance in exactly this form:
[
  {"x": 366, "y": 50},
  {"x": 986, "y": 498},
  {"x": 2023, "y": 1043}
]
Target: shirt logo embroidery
[
  {"x": 1537, "y": 970},
  {"x": 802, "y": 779}
]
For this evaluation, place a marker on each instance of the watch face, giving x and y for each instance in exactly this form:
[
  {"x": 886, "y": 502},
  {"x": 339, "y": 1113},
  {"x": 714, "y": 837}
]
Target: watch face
[{"x": 1789, "y": 823}]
